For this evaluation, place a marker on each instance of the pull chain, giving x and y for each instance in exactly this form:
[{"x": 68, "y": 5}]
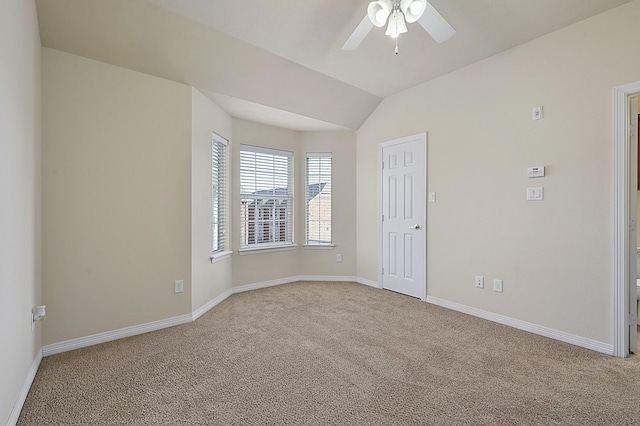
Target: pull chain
[{"x": 396, "y": 45}]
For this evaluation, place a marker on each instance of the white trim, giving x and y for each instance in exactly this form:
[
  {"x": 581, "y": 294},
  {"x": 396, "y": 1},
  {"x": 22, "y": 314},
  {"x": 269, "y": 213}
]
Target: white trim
[
  {"x": 319, "y": 246},
  {"x": 264, "y": 150},
  {"x": 318, "y": 169},
  {"x": 368, "y": 282},
  {"x": 562, "y": 336},
  {"x": 220, "y": 139},
  {"x": 22, "y": 397},
  {"x": 266, "y": 248},
  {"x": 107, "y": 336},
  {"x": 292, "y": 279},
  {"x": 265, "y": 284},
  {"x": 209, "y": 305},
  {"x": 336, "y": 278},
  {"x": 318, "y": 154},
  {"x": 220, "y": 255},
  {"x": 621, "y": 253}
]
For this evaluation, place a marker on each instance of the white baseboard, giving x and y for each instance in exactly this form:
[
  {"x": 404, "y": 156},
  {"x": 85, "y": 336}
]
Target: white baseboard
[
  {"x": 293, "y": 279},
  {"x": 265, "y": 284},
  {"x": 22, "y": 397},
  {"x": 562, "y": 336},
  {"x": 107, "y": 336},
  {"x": 337, "y": 278},
  {"x": 367, "y": 282},
  {"x": 184, "y": 319},
  {"x": 207, "y": 306}
]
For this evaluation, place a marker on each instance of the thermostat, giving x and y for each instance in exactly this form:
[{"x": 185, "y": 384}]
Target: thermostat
[{"x": 537, "y": 171}]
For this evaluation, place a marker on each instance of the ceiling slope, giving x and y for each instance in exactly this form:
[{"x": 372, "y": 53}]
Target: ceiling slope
[
  {"x": 311, "y": 33},
  {"x": 140, "y": 36},
  {"x": 280, "y": 62}
]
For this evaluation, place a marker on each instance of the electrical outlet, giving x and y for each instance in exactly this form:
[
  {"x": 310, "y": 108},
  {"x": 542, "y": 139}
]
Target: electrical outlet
[
  {"x": 479, "y": 281},
  {"x": 537, "y": 113},
  {"x": 338, "y": 258},
  {"x": 497, "y": 286},
  {"x": 178, "y": 286}
]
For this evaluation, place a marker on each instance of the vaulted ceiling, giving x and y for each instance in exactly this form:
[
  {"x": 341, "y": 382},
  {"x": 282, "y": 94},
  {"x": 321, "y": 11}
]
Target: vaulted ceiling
[{"x": 280, "y": 62}]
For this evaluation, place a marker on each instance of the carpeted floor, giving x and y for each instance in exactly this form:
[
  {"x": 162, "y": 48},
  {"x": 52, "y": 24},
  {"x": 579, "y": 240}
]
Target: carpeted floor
[{"x": 334, "y": 354}]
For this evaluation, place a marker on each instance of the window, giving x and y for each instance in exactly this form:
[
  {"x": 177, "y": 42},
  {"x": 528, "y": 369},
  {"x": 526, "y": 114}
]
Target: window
[
  {"x": 219, "y": 193},
  {"x": 318, "y": 199},
  {"x": 266, "y": 197}
]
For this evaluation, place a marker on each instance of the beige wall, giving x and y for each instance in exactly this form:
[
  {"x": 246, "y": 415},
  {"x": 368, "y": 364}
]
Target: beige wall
[
  {"x": 342, "y": 145},
  {"x": 19, "y": 197},
  {"x": 116, "y": 197},
  {"x": 554, "y": 256},
  {"x": 260, "y": 267},
  {"x": 110, "y": 256},
  {"x": 208, "y": 280}
]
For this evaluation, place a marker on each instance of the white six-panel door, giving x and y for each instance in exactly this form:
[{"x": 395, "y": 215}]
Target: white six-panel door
[{"x": 403, "y": 218}]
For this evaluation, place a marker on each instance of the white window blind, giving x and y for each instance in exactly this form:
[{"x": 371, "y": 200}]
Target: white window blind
[
  {"x": 219, "y": 192},
  {"x": 266, "y": 196},
  {"x": 318, "y": 199}
]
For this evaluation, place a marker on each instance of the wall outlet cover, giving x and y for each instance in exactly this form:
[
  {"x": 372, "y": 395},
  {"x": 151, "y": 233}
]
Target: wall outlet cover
[{"x": 537, "y": 113}]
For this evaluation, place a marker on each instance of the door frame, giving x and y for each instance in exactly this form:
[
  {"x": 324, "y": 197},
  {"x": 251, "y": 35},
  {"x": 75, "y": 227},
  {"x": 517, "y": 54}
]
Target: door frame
[
  {"x": 423, "y": 138},
  {"x": 621, "y": 220}
]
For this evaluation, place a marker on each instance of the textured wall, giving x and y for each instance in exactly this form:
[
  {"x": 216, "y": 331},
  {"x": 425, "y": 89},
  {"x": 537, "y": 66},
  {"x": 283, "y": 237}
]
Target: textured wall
[
  {"x": 116, "y": 197},
  {"x": 208, "y": 280},
  {"x": 554, "y": 256},
  {"x": 19, "y": 197}
]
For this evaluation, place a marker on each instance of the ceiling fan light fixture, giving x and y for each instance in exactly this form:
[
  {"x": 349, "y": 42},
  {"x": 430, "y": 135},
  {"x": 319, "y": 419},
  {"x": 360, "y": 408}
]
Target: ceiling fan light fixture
[
  {"x": 397, "y": 25},
  {"x": 413, "y": 9},
  {"x": 379, "y": 11}
]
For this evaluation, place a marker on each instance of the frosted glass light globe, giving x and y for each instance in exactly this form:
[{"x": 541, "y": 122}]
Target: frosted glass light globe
[{"x": 416, "y": 7}]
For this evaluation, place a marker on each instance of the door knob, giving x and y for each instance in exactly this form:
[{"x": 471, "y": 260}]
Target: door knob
[{"x": 416, "y": 226}]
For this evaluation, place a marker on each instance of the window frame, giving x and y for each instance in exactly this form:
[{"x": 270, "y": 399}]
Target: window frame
[
  {"x": 314, "y": 175},
  {"x": 266, "y": 187},
  {"x": 220, "y": 243}
]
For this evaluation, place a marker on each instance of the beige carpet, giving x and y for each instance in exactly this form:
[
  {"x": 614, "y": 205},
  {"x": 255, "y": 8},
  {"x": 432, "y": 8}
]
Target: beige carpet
[{"x": 334, "y": 354}]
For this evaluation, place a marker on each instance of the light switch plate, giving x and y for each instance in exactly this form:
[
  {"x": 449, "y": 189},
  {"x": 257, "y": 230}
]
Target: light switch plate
[{"x": 535, "y": 193}]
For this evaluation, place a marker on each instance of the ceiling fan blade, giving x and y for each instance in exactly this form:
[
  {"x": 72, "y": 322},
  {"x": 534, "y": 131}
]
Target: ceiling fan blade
[
  {"x": 436, "y": 25},
  {"x": 358, "y": 34}
]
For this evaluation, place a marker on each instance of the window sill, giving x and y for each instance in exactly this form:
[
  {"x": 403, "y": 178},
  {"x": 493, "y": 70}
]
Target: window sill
[
  {"x": 266, "y": 248},
  {"x": 319, "y": 246},
  {"x": 217, "y": 257}
]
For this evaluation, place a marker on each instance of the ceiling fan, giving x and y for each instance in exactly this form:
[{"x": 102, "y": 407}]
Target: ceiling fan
[{"x": 398, "y": 13}]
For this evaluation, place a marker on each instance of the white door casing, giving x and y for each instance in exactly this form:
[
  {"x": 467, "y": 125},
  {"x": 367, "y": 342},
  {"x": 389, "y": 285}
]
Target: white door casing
[
  {"x": 633, "y": 228},
  {"x": 403, "y": 185},
  {"x": 622, "y": 314}
]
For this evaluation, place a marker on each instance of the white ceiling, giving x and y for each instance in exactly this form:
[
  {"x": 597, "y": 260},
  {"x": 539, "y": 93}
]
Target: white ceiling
[{"x": 280, "y": 62}]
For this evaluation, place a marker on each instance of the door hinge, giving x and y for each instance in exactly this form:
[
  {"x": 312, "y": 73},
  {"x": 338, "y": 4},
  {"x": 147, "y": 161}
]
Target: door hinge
[
  {"x": 383, "y": 218},
  {"x": 383, "y": 271},
  {"x": 633, "y": 226},
  {"x": 632, "y": 320}
]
